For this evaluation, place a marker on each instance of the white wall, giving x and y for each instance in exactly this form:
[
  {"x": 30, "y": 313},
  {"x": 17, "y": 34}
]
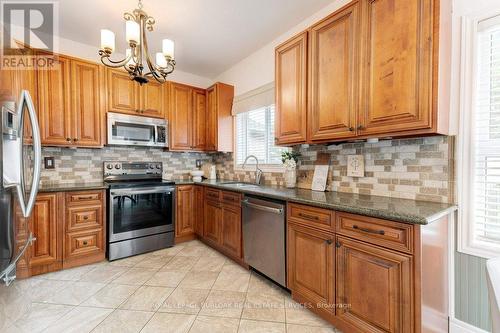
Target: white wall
[
  {"x": 88, "y": 52},
  {"x": 258, "y": 68}
]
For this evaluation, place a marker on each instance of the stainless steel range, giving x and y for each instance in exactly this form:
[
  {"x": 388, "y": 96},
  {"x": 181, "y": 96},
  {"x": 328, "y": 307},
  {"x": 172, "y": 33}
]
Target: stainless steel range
[{"x": 141, "y": 210}]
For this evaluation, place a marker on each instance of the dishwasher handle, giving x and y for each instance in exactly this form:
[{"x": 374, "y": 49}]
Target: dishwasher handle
[{"x": 278, "y": 211}]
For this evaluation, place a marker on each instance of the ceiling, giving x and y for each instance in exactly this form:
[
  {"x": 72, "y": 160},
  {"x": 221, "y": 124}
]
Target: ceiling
[{"x": 210, "y": 35}]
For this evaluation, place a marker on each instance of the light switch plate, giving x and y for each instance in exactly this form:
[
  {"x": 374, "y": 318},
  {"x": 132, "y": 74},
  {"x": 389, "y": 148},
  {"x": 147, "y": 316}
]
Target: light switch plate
[{"x": 355, "y": 166}]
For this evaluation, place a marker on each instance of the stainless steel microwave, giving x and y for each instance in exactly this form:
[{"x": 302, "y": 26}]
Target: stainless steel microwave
[{"x": 128, "y": 130}]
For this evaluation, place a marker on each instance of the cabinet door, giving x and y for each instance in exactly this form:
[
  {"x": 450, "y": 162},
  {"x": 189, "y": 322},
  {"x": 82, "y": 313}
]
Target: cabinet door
[
  {"x": 184, "y": 214},
  {"x": 231, "y": 229},
  {"x": 211, "y": 222},
  {"x": 397, "y": 66},
  {"x": 211, "y": 130},
  {"x": 87, "y": 84},
  {"x": 333, "y": 76},
  {"x": 44, "y": 224},
  {"x": 291, "y": 92},
  {"x": 123, "y": 93},
  {"x": 180, "y": 117},
  {"x": 376, "y": 284},
  {"x": 199, "y": 210},
  {"x": 311, "y": 263},
  {"x": 152, "y": 99},
  {"x": 55, "y": 103},
  {"x": 199, "y": 119}
]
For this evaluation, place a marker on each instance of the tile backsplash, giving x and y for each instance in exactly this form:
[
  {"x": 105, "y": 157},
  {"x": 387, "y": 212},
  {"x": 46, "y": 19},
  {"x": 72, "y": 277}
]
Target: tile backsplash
[{"x": 418, "y": 168}]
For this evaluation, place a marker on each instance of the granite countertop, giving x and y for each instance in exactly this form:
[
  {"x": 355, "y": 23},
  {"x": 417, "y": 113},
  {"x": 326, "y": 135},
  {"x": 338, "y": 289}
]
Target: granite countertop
[
  {"x": 61, "y": 187},
  {"x": 395, "y": 209}
]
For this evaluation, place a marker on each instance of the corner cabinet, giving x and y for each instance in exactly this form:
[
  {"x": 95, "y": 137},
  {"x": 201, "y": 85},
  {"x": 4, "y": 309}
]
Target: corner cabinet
[
  {"x": 369, "y": 69},
  {"x": 291, "y": 91}
]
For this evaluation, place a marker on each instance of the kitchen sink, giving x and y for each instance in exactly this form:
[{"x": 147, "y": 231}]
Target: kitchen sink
[{"x": 240, "y": 184}]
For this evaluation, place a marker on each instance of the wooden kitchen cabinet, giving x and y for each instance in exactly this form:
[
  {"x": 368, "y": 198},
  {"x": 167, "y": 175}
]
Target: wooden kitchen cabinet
[
  {"x": 199, "y": 195},
  {"x": 376, "y": 284},
  {"x": 311, "y": 265},
  {"x": 54, "y": 88},
  {"x": 185, "y": 213},
  {"x": 187, "y": 118},
  {"x": 231, "y": 235},
  {"x": 127, "y": 96},
  {"x": 87, "y": 85},
  {"x": 334, "y": 62},
  {"x": 291, "y": 90},
  {"x": 219, "y": 131},
  {"x": 370, "y": 69},
  {"x": 212, "y": 222},
  {"x": 398, "y": 66},
  {"x": 71, "y": 103}
]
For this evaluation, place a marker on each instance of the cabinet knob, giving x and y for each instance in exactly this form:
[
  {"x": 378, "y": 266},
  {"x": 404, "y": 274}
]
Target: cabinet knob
[
  {"x": 75, "y": 139},
  {"x": 360, "y": 127},
  {"x": 328, "y": 241},
  {"x": 351, "y": 129},
  {"x": 68, "y": 139},
  {"x": 85, "y": 243},
  {"x": 338, "y": 244},
  {"x": 86, "y": 217}
]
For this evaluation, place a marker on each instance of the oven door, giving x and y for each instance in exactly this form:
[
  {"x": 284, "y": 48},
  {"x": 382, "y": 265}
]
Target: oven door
[{"x": 139, "y": 212}]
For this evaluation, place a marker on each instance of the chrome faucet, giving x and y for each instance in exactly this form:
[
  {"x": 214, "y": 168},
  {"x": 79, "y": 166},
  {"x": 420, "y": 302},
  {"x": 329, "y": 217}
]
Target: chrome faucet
[{"x": 258, "y": 172}]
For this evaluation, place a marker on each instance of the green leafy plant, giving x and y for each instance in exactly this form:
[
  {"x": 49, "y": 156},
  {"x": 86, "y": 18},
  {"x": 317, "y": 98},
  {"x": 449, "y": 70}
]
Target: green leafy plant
[{"x": 290, "y": 155}]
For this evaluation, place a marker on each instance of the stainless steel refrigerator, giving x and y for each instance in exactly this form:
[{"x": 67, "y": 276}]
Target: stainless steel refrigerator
[{"x": 20, "y": 165}]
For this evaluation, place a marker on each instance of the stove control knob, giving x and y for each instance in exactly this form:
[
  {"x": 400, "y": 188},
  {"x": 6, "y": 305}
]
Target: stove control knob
[
  {"x": 118, "y": 166},
  {"x": 109, "y": 166},
  {"x": 158, "y": 166},
  {"x": 151, "y": 166}
]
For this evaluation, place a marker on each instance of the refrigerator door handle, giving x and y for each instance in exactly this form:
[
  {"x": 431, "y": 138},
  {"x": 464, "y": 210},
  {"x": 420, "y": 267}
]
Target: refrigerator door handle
[{"x": 26, "y": 208}]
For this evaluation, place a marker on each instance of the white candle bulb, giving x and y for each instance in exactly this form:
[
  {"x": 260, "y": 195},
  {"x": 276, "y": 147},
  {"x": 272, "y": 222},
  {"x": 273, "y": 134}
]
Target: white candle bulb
[
  {"x": 160, "y": 60},
  {"x": 107, "y": 40},
  {"x": 132, "y": 32},
  {"x": 168, "y": 48}
]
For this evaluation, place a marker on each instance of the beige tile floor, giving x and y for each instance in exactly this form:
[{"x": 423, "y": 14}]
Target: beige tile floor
[{"x": 187, "y": 288}]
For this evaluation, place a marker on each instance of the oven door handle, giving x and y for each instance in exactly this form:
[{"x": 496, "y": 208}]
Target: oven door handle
[{"x": 143, "y": 191}]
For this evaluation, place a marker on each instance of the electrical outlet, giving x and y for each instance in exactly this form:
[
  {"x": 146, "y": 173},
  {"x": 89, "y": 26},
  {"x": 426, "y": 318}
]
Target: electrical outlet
[
  {"x": 355, "y": 166},
  {"x": 49, "y": 162}
]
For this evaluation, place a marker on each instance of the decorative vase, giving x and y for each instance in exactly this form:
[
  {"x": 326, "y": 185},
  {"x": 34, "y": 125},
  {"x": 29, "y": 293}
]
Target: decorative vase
[{"x": 290, "y": 178}]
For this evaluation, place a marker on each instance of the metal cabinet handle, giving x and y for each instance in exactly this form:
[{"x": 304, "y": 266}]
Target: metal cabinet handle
[
  {"x": 309, "y": 217},
  {"x": 370, "y": 231},
  {"x": 85, "y": 198}
]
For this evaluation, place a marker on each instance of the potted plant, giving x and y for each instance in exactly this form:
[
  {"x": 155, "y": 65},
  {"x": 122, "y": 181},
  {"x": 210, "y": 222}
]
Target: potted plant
[{"x": 290, "y": 160}]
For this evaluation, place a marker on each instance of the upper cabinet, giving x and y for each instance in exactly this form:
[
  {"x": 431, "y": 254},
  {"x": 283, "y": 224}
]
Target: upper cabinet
[
  {"x": 127, "y": 96},
  {"x": 333, "y": 69},
  {"x": 187, "y": 114},
  {"x": 291, "y": 90},
  {"x": 219, "y": 131},
  {"x": 71, "y": 103},
  {"x": 397, "y": 66},
  {"x": 371, "y": 71}
]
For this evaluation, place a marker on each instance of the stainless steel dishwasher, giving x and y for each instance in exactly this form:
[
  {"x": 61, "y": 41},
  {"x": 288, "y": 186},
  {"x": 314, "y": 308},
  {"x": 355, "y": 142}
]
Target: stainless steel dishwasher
[{"x": 264, "y": 237}]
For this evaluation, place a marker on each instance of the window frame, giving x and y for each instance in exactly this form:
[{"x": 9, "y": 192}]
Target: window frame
[
  {"x": 466, "y": 242},
  {"x": 275, "y": 168}
]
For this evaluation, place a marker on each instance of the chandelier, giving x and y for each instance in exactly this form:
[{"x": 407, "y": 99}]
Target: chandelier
[{"x": 137, "y": 55}]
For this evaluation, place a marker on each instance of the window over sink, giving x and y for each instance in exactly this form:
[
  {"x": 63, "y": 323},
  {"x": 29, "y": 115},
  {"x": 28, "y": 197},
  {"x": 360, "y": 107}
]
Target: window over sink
[{"x": 254, "y": 135}]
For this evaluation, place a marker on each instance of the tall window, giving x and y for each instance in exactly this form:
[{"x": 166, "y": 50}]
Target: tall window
[
  {"x": 481, "y": 157},
  {"x": 255, "y": 136}
]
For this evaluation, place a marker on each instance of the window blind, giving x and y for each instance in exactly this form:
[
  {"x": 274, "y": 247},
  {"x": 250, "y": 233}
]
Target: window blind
[
  {"x": 255, "y": 136},
  {"x": 486, "y": 135}
]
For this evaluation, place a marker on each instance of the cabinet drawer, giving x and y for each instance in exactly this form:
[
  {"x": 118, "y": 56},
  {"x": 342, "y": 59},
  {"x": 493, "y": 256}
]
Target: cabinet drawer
[
  {"x": 231, "y": 198},
  {"x": 86, "y": 197},
  {"x": 389, "y": 234},
  {"x": 88, "y": 217},
  {"x": 83, "y": 243},
  {"x": 211, "y": 194},
  {"x": 311, "y": 217}
]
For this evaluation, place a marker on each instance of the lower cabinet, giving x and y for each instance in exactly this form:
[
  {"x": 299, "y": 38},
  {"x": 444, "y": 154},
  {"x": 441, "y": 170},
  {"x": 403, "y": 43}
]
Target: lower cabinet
[
  {"x": 185, "y": 213},
  {"x": 311, "y": 265},
  {"x": 69, "y": 229},
  {"x": 212, "y": 222},
  {"x": 376, "y": 286},
  {"x": 230, "y": 239},
  {"x": 199, "y": 216}
]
